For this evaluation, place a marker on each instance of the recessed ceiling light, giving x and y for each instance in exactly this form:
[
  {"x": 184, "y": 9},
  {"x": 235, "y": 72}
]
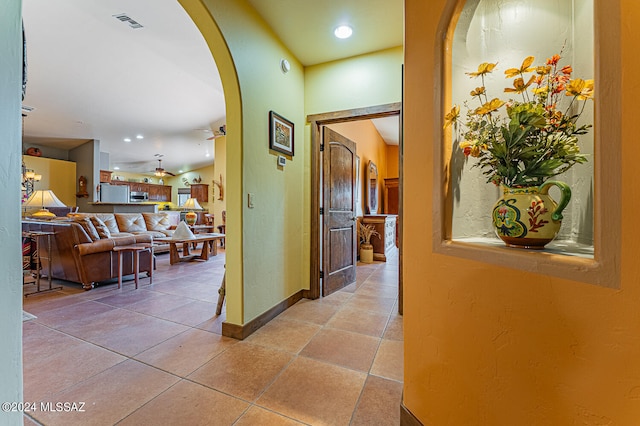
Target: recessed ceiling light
[
  {"x": 139, "y": 137},
  {"x": 343, "y": 31},
  {"x": 180, "y": 171},
  {"x": 116, "y": 168},
  {"x": 127, "y": 139}
]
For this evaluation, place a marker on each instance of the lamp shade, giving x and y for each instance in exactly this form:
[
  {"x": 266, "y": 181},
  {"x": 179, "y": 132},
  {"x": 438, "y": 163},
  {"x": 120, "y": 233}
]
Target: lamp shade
[
  {"x": 43, "y": 198},
  {"x": 192, "y": 204}
]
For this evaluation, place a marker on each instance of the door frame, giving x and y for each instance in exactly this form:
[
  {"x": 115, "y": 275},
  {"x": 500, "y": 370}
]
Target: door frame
[{"x": 317, "y": 121}]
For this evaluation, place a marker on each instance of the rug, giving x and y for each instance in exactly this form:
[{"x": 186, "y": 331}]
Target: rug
[{"x": 26, "y": 316}]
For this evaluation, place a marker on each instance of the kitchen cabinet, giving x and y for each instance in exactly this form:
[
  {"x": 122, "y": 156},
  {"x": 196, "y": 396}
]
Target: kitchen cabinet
[
  {"x": 159, "y": 192},
  {"x": 200, "y": 191},
  {"x": 105, "y": 176},
  {"x": 139, "y": 187},
  {"x": 156, "y": 192}
]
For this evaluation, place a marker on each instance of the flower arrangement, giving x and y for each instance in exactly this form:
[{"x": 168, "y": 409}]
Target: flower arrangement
[
  {"x": 536, "y": 140},
  {"x": 365, "y": 232}
]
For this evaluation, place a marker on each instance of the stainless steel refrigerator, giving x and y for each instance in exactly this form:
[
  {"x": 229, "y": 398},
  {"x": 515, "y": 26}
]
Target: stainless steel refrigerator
[{"x": 114, "y": 193}]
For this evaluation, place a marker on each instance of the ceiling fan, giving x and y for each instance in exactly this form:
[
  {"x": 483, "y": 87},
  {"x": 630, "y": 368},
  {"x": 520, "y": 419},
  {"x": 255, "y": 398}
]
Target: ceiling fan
[
  {"x": 160, "y": 172},
  {"x": 222, "y": 131}
]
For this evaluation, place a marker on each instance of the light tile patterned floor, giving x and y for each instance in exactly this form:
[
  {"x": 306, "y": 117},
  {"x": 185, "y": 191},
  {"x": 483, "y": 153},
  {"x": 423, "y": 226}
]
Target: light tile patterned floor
[{"x": 156, "y": 356}]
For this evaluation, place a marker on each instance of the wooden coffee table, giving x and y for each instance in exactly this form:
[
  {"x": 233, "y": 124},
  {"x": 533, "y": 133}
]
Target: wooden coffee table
[{"x": 205, "y": 239}]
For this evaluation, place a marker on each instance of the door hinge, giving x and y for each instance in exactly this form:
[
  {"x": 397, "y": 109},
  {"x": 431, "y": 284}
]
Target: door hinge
[
  {"x": 321, "y": 210},
  {"x": 321, "y": 274},
  {"x": 321, "y": 147}
]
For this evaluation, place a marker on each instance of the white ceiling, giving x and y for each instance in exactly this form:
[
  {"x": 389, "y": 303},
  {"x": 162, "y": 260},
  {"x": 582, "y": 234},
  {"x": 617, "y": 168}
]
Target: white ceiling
[{"x": 91, "y": 76}]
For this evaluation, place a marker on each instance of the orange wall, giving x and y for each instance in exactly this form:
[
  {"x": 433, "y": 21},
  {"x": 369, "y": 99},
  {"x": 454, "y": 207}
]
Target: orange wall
[
  {"x": 488, "y": 345},
  {"x": 370, "y": 147}
]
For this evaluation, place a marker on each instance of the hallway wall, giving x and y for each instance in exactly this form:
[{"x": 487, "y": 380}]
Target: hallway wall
[
  {"x": 10, "y": 249},
  {"x": 491, "y": 345}
]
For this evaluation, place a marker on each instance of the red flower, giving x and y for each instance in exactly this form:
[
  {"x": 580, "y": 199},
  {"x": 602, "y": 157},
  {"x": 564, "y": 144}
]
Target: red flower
[
  {"x": 553, "y": 60},
  {"x": 467, "y": 150},
  {"x": 567, "y": 70}
]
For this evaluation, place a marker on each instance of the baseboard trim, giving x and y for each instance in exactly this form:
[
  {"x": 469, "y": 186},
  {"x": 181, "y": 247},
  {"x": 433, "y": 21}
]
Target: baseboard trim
[
  {"x": 241, "y": 332},
  {"x": 407, "y": 418}
]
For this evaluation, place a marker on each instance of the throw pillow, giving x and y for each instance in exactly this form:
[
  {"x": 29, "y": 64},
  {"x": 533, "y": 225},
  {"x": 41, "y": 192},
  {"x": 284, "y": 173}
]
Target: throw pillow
[
  {"x": 156, "y": 221},
  {"x": 88, "y": 227},
  {"x": 101, "y": 227}
]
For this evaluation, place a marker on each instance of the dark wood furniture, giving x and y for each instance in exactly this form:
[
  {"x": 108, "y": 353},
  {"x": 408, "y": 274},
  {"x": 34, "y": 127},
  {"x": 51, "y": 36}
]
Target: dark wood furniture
[
  {"x": 174, "y": 256},
  {"x": 200, "y": 191},
  {"x": 385, "y": 224},
  {"x": 391, "y": 196}
]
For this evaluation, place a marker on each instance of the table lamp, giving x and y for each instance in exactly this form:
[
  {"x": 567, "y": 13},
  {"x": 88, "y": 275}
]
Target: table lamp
[
  {"x": 43, "y": 198},
  {"x": 191, "y": 204}
]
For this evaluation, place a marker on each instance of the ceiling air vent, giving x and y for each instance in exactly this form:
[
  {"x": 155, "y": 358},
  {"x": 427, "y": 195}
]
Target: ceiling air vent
[{"x": 123, "y": 17}]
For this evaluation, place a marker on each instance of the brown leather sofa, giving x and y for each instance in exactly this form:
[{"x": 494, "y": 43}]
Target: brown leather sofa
[
  {"x": 82, "y": 247},
  {"x": 78, "y": 258}
]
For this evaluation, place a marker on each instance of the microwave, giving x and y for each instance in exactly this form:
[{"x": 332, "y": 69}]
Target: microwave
[{"x": 138, "y": 197}]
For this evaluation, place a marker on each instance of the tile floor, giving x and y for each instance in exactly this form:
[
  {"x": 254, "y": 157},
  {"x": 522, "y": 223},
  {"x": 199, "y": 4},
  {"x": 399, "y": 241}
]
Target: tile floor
[{"x": 155, "y": 356}]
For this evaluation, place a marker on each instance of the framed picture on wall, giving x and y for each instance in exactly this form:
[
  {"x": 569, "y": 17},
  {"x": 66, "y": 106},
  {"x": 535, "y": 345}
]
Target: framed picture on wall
[{"x": 280, "y": 134}]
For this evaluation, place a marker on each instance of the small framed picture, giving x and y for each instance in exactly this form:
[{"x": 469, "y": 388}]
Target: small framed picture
[
  {"x": 280, "y": 134},
  {"x": 282, "y": 161}
]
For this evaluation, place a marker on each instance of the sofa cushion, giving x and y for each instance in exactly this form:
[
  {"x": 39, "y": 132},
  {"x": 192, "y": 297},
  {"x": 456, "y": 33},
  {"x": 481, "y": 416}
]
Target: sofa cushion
[
  {"x": 88, "y": 227},
  {"x": 108, "y": 219},
  {"x": 156, "y": 221},
  {"x": 101, "y": 227},
  {"x": 130, "y": 222},
  {"x": 154, "y": 234}
]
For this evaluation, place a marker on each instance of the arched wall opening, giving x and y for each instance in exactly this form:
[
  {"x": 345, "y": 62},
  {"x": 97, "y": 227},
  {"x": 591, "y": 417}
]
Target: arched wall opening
[
  {"x": 268, "y": 239},
  {"x": 233, "y": 245}
]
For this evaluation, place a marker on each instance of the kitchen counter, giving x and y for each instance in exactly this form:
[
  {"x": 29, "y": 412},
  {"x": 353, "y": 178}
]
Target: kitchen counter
[{"x": 99, "y": 207}]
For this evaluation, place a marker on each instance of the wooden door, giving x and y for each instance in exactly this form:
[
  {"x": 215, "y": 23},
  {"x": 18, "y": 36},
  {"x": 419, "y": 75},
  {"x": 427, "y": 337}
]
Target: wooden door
[{"x": 339, "y": 230}]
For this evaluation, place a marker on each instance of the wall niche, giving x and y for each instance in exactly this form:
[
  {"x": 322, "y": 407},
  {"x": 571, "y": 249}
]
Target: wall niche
[{"x": 506, "y": 32}]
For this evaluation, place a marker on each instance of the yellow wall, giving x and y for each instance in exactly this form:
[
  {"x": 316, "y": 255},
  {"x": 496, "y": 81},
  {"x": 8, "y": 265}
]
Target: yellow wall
[
  {"x": 203, "y": 173},
  {"x": 369, "y": 147},
  {"x": 496, "y": 346},
  {"x": 273, "y": 235},
  {"x": 220, "y": 169},
  {"x": 361, "y": 81},
  {"x": 64, "y": 184}
]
